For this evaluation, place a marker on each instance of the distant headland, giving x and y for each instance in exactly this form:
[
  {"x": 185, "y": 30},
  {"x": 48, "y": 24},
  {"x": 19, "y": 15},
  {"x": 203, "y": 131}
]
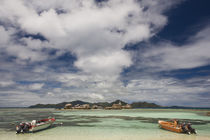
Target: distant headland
[
  {"x": 117, "y": 104},
  {"x": 78, "y": 104}
]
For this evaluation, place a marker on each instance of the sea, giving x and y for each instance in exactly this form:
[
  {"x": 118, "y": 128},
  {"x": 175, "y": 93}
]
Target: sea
[{"x": 132, "y": 124}]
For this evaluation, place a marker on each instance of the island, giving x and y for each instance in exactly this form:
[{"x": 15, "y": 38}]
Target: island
[{"x": 78, "y": 104}]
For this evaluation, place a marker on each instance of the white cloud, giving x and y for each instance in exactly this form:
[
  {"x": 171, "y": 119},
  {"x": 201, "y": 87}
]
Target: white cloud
[
  {"x": 96, "y": 34},
  {"x": 167, "y": 91},
  {"x": 35, "y": 44},
  {"x": 16, "y": 98},
  {"x": 96, "y": 96},
  {"x": 6, "y": 83},
  {"x": 36, "y": 86},
  {"x": 107, "y": 63},
  {"x": 25, "y": 53},
  {"x": 166, "y": 56},
  {"x": 5, "y": 36},
  {"x": 50, "y": 94}
]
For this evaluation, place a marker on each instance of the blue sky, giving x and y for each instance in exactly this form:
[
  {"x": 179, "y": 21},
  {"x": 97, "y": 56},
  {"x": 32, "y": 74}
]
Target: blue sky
[{"x": 147, "y": 50}]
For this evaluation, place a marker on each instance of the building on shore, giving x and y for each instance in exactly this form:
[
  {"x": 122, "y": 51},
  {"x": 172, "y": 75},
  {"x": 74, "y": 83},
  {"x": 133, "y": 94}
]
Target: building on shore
[
  {"x": 108, "y": 108},
  {"x": 127, "y": 106},
  {"x": 115, "y": 107},
  {"x": 84, "y": 106},
  {"x": 87, "y": 106},
  {"x": 68, "y": 106},
  {"x": 78, "y": 106},
  {"x": 119, "y": 106},
  {"x": 97, "y": 107}
]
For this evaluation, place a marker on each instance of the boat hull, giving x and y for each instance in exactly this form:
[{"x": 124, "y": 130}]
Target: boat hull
[
  {"x": 43, "y": 124},
  {"x": 40, "y": 127},
  {"x": 34, "y": 126},
  {"x": 170, "y": 126}
]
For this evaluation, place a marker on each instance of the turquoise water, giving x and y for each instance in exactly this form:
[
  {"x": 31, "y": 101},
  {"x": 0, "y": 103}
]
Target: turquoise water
[{"x": 104, "y": 124}]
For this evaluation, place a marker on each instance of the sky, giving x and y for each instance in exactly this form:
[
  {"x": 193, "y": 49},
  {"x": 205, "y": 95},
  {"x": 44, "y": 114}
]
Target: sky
[{"x": 102, "y": 50}]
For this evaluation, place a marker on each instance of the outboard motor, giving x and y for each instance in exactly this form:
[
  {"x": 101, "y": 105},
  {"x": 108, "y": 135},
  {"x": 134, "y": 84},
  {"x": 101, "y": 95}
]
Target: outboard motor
[
  {"x": 22, "y": 127},
  {"x": 19, "y": 128},
  {"x": 185, "y": 128},
  {"x": 192, "y": 130}
]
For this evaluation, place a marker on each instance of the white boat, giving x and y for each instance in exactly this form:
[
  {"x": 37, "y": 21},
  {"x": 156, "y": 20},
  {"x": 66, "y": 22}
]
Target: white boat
[{"x": 34, "y": 125}]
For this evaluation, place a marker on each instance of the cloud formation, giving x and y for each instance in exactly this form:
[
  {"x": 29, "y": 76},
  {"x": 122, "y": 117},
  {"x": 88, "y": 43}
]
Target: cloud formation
[
  {"x": 54, "y": 51},
  {"x": 171, "y": 57},
  {"x": 95, "y": 31}
]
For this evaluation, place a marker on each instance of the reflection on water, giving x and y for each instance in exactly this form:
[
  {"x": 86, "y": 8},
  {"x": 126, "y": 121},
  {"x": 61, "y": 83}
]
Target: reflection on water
[{"x": 104, "y": 124}]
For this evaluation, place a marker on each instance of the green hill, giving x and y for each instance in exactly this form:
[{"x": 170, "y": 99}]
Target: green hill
[
  {"x": 144, "y": 105},
  {"x": 103, "y": 104}
]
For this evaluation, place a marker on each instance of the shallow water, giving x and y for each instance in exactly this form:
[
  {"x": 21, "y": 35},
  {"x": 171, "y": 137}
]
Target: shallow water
[{"x": 104, "y": 124}]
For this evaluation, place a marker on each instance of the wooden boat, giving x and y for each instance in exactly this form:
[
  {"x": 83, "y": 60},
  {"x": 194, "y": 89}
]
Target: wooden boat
[
  {"x": 175, "y": 127},
  {"x": 34, "y": 126}
]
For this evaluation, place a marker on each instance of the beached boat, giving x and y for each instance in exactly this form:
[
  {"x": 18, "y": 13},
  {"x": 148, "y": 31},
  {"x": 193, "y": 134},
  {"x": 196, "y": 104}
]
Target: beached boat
[
  {"x": 34, "y": 126},
  {"x": 174, "y": 126}
]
